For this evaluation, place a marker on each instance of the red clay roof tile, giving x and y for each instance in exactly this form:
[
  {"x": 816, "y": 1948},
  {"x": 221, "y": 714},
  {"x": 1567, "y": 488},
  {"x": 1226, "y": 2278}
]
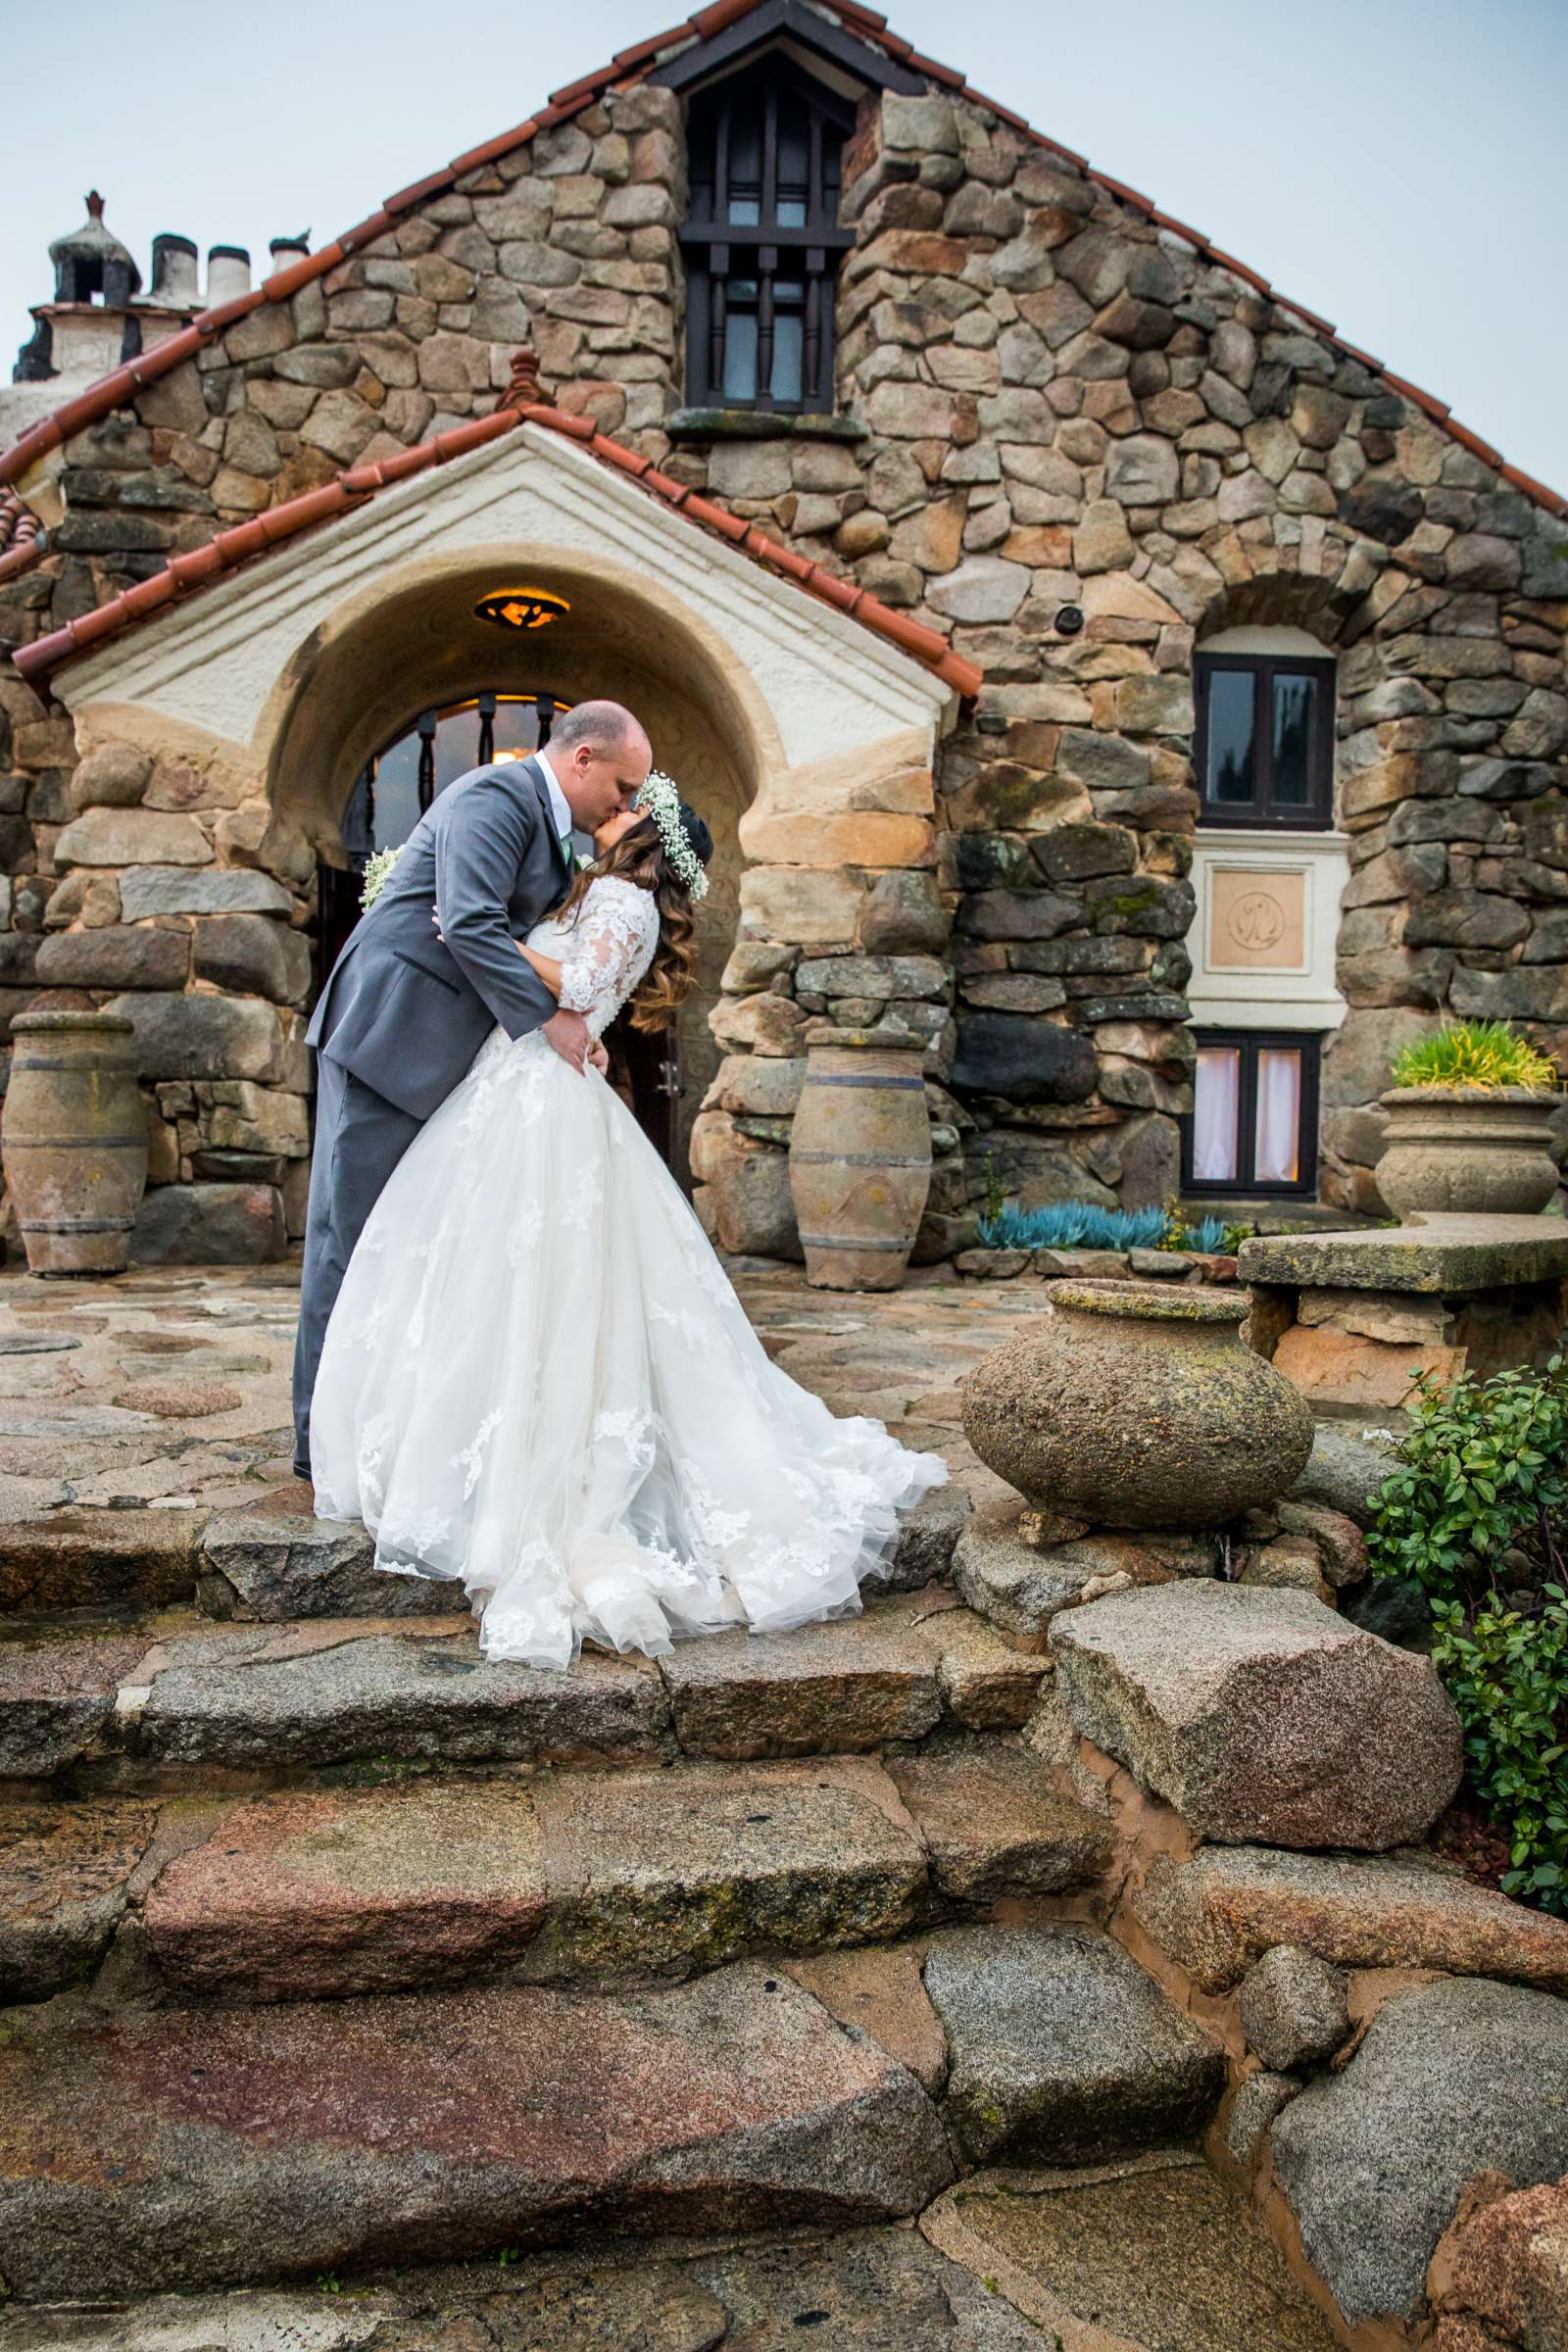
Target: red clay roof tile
[
  {"x": 1298, "y": 310},
  {"x": 641, "y": 51},
  {"x": 489, "y": 149},
  {"x": 148, "y": 594},
  {"x": 197, "y": 564},
  {"x": 1550, "y": 499},
  {"x": 213, "y": 323},
  {"x": 587, "y": 86},
  {"x": 149, "y": 366},
  {"x": 86, "y": 410},
  {"x": 39, "y": 441},
  {"x": 1250, "y": 277},
  {"x": 934, "y": 70},
  {"x": 435, "y": 184},
  {"x": 1180, "y": 228},
  {"x": 287, "y": 281},
  {"x": 1473, "y": 443},
  {"x": 1117, "y": 188},
  {"x": 719, "y": 17}
]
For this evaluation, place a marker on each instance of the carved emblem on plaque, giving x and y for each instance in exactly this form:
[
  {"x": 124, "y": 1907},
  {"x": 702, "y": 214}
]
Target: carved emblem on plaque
[
  {"x": 1256, "y": 919},
  {"x": 1254, "y": 924}
]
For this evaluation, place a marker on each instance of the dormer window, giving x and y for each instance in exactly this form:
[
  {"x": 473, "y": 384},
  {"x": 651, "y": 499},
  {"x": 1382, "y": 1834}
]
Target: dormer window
[{"x": 762, "y": 240}]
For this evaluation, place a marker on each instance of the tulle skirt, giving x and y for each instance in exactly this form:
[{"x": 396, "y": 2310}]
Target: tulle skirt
[{"x": 539, "y": 1382}]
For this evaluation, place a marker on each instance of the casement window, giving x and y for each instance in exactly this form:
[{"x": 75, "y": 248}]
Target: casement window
[
  {"x": 1264, "y": 750},
  {"x": 762, "y": 241},
  {"x": 1252, "y": 1128}
]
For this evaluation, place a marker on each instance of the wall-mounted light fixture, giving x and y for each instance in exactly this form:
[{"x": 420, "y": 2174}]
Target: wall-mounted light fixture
[{"x": 521, "y": 608}]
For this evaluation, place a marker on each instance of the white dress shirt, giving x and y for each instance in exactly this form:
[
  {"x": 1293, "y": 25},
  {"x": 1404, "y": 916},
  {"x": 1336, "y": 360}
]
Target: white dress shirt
[{"x": 559, "y": 807}]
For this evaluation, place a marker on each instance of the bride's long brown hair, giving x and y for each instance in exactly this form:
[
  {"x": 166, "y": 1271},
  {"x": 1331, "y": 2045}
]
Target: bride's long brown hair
[{"x": 639, "y": 856}]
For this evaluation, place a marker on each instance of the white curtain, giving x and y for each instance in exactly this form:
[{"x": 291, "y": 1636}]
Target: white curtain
[
  {"x": 1217, "y": 1102},
  {"x": 1279, "y": 1114}
]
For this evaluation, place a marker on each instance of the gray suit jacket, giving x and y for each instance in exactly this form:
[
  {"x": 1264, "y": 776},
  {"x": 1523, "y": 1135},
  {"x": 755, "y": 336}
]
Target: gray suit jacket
[{"x": 406, "y": 1011}]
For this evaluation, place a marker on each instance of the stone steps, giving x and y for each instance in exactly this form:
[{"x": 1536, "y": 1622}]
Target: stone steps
[
  {"x": 180, "y": 2148},
  {"x": 271, "y": 1560},
  {"x": 858, "y": 2290},
  {"x": 179, "y": 1702},
  {"x": 559, "y": 1877},
  {"x": 1153, "y": 2250}
]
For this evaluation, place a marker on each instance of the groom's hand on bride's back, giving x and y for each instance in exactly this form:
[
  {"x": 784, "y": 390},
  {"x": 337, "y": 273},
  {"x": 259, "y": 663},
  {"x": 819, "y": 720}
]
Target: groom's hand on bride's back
[{"x": 571, "y": 1037}]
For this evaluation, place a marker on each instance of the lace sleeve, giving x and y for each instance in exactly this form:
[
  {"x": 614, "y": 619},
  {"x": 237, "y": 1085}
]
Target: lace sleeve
[{"x": 607, "y": 950}]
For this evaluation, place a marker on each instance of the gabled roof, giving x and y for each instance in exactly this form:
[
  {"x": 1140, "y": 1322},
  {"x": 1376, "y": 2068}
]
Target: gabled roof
[
  {"x": 626, "y": 67},
  {"x": 188, "y": 573}
]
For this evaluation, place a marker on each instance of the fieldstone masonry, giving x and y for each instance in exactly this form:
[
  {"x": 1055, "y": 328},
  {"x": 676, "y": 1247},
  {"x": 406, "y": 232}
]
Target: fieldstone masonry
[{"x": 1049, "y": 407}]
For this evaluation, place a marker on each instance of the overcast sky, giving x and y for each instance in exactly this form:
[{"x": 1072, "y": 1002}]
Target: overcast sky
[{"x": 1398, "y": 165}]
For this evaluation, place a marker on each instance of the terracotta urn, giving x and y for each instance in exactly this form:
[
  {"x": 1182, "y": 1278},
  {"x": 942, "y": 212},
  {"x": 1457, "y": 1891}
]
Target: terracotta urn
[
  {"x": 859, "y": 1160},
  {"x": 1467, "y": 1151},
  {"x": 1136, "y": 1405},
  {"x": 75, "y": 1140}
]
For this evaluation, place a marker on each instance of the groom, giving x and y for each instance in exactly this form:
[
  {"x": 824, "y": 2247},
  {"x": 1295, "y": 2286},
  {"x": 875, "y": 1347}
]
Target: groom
[{"x": 406, "y": 1009}]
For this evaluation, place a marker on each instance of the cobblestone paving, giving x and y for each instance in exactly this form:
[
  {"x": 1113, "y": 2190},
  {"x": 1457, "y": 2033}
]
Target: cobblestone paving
[{"x": 169, "y": 1386}]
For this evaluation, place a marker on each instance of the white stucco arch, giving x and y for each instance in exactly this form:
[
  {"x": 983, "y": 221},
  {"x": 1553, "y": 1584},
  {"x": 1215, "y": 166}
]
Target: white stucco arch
[{"x": 797, "y": 687}]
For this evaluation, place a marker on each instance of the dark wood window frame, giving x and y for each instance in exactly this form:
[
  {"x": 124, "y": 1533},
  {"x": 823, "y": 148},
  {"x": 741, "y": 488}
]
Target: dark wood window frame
[
  {"x": 1308, "y": 1043},
  {"x": 1315, "y": 814},
  {"x": 740, "y": 269}
]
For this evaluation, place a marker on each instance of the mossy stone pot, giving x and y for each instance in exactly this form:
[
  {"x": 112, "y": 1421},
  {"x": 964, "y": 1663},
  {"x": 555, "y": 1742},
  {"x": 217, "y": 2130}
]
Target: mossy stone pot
[
  {"x": 1136, "y": 1405},
  {"x": 1456, "y": 1151}
]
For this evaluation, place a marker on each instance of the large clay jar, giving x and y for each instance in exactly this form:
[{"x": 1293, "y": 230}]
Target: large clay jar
[
  {"x": 75, "y": 1141},
  {"x": 1136, "y": 1405},
  {"x": 1457, "y": 1150},
  {"x": 859, "y": 1161}
]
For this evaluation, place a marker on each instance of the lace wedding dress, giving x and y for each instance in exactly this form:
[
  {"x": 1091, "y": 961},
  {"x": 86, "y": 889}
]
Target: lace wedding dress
[{"x": 537, "y": 1379}]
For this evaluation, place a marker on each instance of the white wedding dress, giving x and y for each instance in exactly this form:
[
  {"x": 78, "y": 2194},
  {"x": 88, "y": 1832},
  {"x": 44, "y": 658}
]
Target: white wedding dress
[{"x": 538, "y": 1380}]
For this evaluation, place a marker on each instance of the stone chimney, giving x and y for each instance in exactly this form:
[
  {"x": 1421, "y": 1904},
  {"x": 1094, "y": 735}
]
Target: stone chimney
[{"x": 91, "y": 265}]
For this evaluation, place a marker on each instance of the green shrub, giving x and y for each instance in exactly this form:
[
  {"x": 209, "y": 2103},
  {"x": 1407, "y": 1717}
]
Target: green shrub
[
  {"x": 1478, "y": 1054},
  {"x": 1477, "y": 1514}
]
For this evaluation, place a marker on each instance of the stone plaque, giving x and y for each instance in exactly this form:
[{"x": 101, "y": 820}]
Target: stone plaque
[{"x": 1256, "y": 919}]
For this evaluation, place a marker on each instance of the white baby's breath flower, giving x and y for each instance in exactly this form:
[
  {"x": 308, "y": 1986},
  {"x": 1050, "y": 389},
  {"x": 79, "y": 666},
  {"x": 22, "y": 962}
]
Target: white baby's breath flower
[{"x": 659, "y": 799}]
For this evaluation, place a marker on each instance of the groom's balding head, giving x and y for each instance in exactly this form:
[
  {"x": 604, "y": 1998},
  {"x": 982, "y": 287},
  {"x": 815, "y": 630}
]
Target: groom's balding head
[{"x": 601, "y": 757}]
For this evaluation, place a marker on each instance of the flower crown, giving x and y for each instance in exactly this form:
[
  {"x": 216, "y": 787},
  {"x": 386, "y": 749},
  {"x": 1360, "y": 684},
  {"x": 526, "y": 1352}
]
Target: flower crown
[{"x": 659, "y": 799}]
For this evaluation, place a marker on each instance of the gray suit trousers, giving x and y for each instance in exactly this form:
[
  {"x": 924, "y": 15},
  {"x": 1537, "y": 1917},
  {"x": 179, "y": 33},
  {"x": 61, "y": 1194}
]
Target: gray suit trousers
[{"x": 359, "y": 1138}]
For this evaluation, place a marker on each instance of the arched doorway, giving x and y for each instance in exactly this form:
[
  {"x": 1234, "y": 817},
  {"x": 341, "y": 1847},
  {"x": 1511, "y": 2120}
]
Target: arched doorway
[
  {"x": 396, "y": 787},
  {"x": 419, "y": 656},
  {"x": 399, "y": 782}
]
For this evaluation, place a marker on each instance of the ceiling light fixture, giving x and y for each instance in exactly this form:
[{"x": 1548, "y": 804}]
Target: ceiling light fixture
[{"x": 521, "y": 608}]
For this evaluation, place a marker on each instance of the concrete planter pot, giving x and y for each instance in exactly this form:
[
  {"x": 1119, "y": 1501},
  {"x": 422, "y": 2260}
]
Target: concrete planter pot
[
  {"x": 1462, "y": 1151},
  {"x": 75, "y": 1141},
  {"x": 1136, "y": 1405},
  {"x": 860, "y": 1161}
]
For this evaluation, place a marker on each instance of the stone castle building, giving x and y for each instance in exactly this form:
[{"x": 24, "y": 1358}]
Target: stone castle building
[{"x": 1081, "y": 652}]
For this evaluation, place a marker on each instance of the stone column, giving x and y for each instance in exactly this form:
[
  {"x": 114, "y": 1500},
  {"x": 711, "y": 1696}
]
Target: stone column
[
  {"x": 182, "y": 903},
  {"x": 842, "y": 915}
]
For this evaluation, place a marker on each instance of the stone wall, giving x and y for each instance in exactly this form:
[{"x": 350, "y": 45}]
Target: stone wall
[{"x": 1051, "y": 403}]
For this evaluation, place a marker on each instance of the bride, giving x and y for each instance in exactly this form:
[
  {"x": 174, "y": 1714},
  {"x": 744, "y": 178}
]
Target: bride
[{"x": 537, "y": 1379}]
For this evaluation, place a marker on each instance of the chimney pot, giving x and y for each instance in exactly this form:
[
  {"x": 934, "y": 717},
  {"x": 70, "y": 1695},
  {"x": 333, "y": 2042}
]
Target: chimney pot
[
  {"x": 174, "y": 275},
  {"x": 228, "y": 273}
]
